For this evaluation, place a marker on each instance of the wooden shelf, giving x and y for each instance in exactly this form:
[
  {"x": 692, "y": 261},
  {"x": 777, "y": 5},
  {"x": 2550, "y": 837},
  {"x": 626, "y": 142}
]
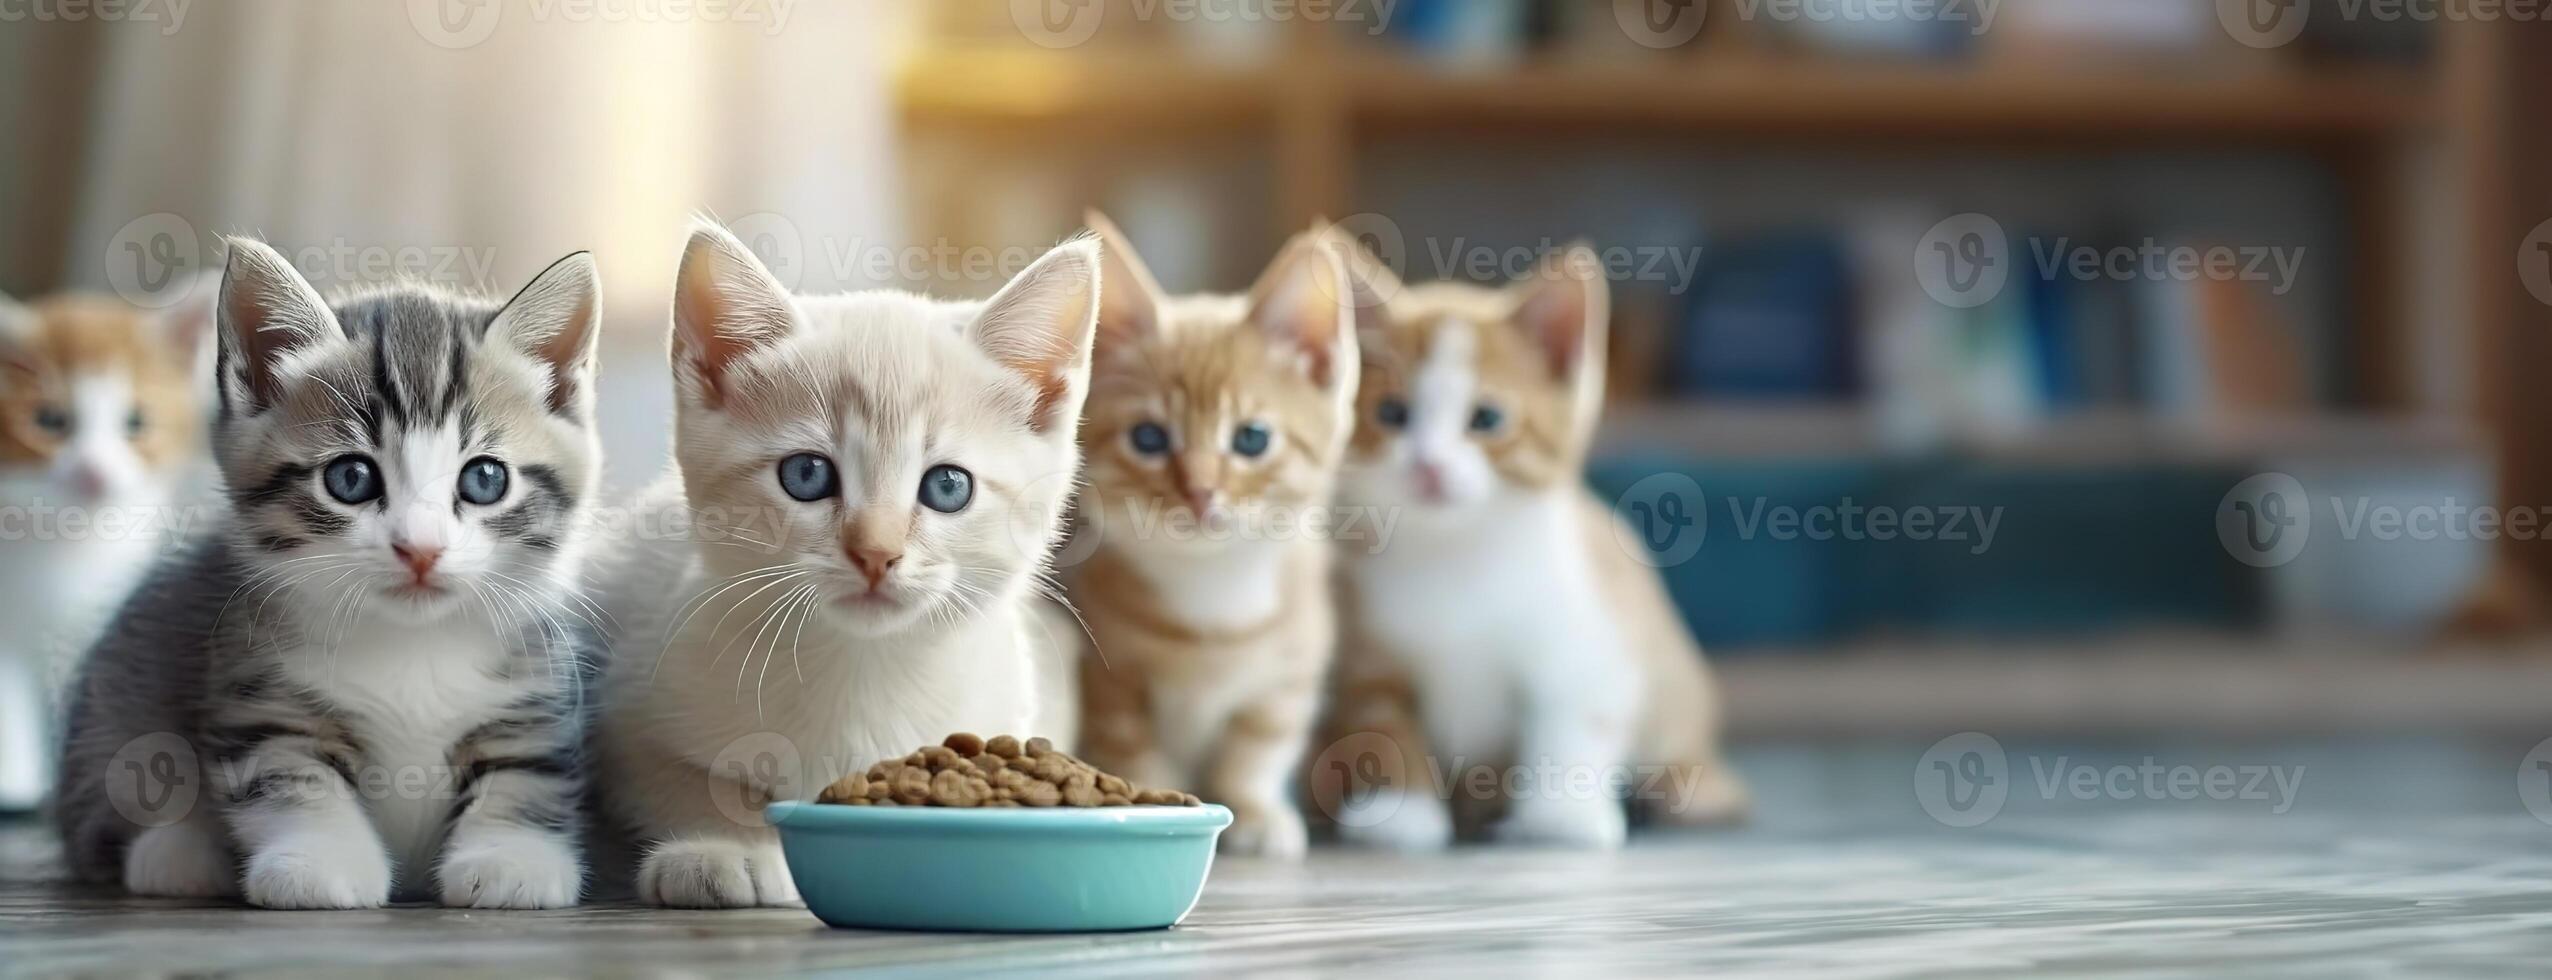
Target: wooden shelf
[{"x": 1751, "y": 93}]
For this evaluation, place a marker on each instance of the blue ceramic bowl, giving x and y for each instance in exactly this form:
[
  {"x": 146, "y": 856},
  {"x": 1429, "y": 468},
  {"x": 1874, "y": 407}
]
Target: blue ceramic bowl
[{"x": 1025, "y": 870}]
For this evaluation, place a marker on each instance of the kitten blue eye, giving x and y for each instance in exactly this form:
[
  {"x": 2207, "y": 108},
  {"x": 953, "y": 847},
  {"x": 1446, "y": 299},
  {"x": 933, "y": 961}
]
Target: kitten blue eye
[
  {"x": 946, "y": 488},
  {"x": 809, "y": 477},
  {"x": 352, "y": 480},
  {"x": 53, "y": 421},
  {"x": 1149, "y": 438},
  {"x": 1251, "y": 439},
  {"x": 133, "y": 423},
  {"x": 483, "y": 481},
  {"x": 1392, "y": 412},
  {"x": 1487, "y": 418}
]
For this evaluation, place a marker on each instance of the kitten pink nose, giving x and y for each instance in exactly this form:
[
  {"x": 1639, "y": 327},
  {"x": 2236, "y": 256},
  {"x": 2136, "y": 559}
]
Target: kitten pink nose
[
  {"x": 874, "y": 563},
  {"x": 420, "y": 559},
  {"x": 1200, "y": 502},
  {"x": 88, "y": 481},
  {"x": 1430, "y": 480}
]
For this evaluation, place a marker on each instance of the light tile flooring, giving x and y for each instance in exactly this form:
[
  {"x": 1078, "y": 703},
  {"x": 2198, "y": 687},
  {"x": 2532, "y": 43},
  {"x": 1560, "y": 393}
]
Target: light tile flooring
[{"x": 2373, "y": 857}]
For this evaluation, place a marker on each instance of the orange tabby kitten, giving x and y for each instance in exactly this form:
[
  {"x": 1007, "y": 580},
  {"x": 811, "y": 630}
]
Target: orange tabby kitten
[
  {"x": 100, "y": 422},
  {"x": 1506, "y": 622},
  {"x": 1214, "y": 425}
]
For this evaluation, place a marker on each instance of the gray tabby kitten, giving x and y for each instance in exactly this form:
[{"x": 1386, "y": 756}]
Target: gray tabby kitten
[{"x": 372, "y": 672}]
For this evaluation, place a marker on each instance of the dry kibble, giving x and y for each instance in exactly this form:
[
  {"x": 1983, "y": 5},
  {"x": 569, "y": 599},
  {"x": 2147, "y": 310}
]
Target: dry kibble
[{"x": 969, "y": 770}]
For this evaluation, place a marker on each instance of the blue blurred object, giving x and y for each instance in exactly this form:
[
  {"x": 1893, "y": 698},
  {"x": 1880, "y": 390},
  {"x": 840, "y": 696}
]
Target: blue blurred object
[
  {"x": 942, "y": 869},
  {"x": 1771, "y": 319},
  {"x": 2071, "y": 550}
]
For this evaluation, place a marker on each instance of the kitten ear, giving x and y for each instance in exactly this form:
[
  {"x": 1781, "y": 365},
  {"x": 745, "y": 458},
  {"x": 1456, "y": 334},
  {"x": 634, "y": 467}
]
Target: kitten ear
[
  {"x": 17, "y": 324},
  {"x": 265, "y": 312},
  {"x": 555, "y": 321},
  {"x": 1130, "y": 305},
  {"x": 1305, "y": 301},
  {"x": 1371, "y": 284},
  {"x": 1563, "y": 306},
  {"x": 1041, "y": 326},
  {"x": 725, "y": 305}
]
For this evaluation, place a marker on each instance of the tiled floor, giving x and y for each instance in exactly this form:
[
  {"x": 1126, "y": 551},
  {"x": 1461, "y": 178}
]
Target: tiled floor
[{"x": 2317, "y": 859}]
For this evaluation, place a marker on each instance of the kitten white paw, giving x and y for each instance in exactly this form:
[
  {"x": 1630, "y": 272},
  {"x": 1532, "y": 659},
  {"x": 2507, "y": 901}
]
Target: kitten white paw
[
  {"x": 715, "y": 874},
  {"x": 1590, "y": 824},
  {"x": 186, "y": 859},
  {"x": 1273, "y": 832},
  {"x": 1394, "y": 820},
  {"x": 318, "y": 874},
  {"x": 514, "y": 870}
]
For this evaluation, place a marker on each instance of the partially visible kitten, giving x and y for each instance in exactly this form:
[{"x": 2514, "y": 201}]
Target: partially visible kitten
[
  {"x": 1213, "y": 421},
  {"x": 373, "y": 666},
  {"x": 870, "y": 485},
  {"x": 1505, "y": 612},
  {"x": 101, "y": 439}
]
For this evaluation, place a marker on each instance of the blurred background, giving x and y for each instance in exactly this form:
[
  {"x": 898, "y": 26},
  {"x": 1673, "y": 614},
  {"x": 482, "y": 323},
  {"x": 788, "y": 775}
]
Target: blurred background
[{"x": 2063, "y": 366}]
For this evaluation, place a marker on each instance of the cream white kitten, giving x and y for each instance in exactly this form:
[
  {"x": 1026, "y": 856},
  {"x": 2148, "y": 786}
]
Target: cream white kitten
[{"x": 847, "y": 563}]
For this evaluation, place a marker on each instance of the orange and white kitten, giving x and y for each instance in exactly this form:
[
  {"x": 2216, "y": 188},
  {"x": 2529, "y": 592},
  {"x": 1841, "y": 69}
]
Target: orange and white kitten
[
  {"x": 871, "y": 484},
  {"x": 1214, "y": 421},
  {"x": 101, "y": 426},
  {"x": 1504, "y": 623}
]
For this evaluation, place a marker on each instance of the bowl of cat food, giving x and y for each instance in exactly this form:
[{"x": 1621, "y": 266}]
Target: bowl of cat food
[{"x": 997, "y": 835}]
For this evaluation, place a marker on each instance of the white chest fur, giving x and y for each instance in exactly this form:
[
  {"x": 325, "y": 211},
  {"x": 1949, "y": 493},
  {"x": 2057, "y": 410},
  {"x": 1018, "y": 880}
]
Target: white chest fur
[
  {"x": 410, "y": 692},
  {"x": 833, "y": 703},
  {"x": 1490, "y": 624}
]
